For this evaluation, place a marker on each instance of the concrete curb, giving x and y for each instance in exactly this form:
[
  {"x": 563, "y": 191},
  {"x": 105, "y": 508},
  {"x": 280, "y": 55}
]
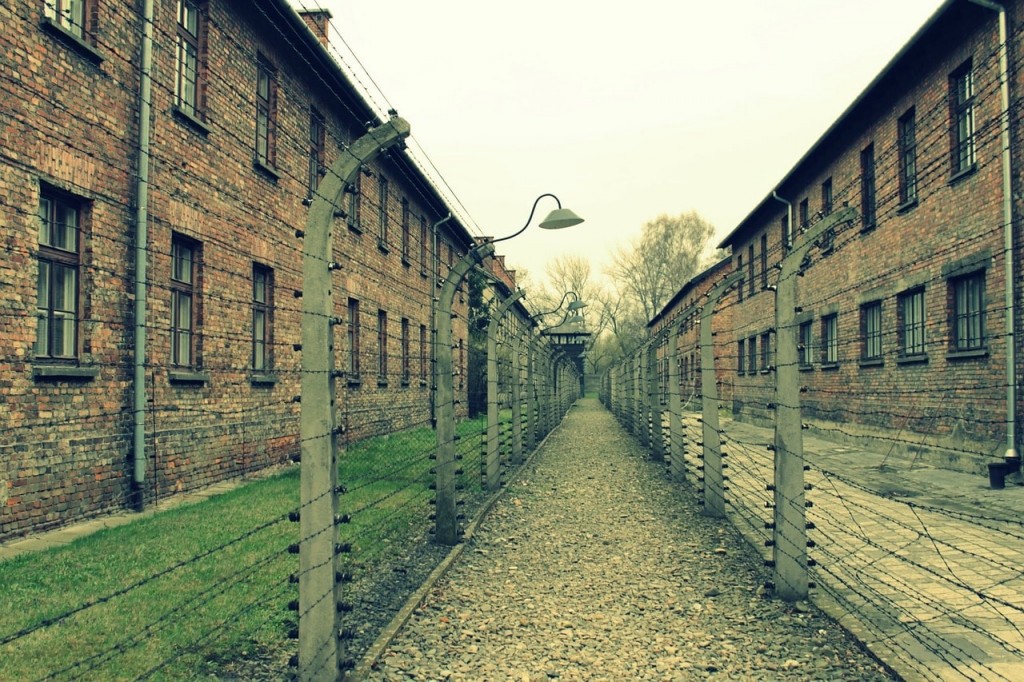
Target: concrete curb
[{"x": 389, "y": 633}]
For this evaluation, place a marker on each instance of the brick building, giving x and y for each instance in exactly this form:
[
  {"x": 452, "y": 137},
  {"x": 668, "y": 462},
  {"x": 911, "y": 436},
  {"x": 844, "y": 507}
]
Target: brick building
[
  {"x": 247, "y": 112},
  {"x": 903, "y": 325}
]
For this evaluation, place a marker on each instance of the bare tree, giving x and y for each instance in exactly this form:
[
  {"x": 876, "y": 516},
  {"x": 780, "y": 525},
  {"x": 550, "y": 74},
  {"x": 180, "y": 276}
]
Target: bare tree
[{"x": 669, "y": 251}]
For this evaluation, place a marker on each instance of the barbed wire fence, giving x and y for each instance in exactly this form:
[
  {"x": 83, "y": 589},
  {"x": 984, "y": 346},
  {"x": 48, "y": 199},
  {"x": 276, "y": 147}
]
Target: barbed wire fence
[
  {"x": 216, "y": 587},
  {"x": 925, "y": 578}
]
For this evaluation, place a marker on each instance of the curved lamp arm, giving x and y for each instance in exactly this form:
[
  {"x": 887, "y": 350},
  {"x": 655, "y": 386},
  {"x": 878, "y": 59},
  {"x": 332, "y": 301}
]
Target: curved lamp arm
[{"x": 556, "y": 220}]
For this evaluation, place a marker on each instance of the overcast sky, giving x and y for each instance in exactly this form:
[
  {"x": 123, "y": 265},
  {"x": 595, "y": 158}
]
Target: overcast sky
[{"x": 624, "y": 110}]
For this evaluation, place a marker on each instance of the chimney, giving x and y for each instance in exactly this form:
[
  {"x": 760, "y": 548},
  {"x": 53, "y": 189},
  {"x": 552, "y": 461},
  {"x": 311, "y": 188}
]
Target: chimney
[{"x": 319, "y": 22}]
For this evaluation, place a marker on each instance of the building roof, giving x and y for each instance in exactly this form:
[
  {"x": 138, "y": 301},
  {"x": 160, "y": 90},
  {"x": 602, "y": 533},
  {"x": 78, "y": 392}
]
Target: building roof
[
  {"x": 278, "y": 17},
  {"x": 941, "y": 31},
  {"x": 690, "y": 285}
]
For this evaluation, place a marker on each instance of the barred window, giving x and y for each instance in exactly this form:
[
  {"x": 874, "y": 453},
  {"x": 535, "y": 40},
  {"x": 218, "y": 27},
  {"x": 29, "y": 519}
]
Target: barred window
[
  {"x": 961, "y": 87},
  {"x": 830, "y": 339},
  {"x": 911, "y": 322},
  {"x": 184, "y": 266},
  {"x": 907, "y": 139},
  {"x": 969, "y": 311},
  {"x": 871, "y": 330},
  {"x": 266, "y": 113},
  {"x": 804, "y": 341},
  {"x": 868, "y": 198}
]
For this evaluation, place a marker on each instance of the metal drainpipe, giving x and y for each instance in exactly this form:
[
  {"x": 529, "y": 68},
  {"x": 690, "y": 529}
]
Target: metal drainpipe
[
  {"x": 137, "y": 497},
  {"x": 435, "y": 268},
  {"x": 787, "y": 238},
  {"x": 1008, "y": 241}
]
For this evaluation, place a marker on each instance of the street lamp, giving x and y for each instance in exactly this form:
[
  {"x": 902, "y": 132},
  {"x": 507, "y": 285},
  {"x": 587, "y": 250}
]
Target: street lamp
[{"x": 446, "y": 526}]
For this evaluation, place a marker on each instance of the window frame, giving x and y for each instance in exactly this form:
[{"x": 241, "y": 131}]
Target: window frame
[
  {"x": 750, "y": 269},
  {"x": 739, "y": 269},
  {"x": 764, "y": 260},
  {"x": 189, "y": 291},
  {"x": 266, "y": 115},
  {"x": 62, "y": 257},
  {"x": 804, "y": 209},
  {"x": 317, "y": 150},
  {"x": 805, "y": 344},
  {"x": 868, "y": 189},
  {"x": 963, "y": 128},
  {"x": 752, "y": 354},
  {"x": 355, "y": 203},
  {"x": 193, "y": 43},
  {"x": 829, "y": 340},
  {"x": 406, "y": 359},
  {"x": 406, "y": 236},
  {"x": 741, "y": 356},
  {"x": 906, "y": 137},
  {"x": 766, "y": 352},
  {"x": 871, "y": 332},
  {"x": 382, "y": 347},
  {"x": 911, "y": 320},
  {"x": 262, "y": 341},
  {"x": 424, "y": 359},
  {"x": 826, "y": 196},
  {"x": 353, "y": 333},
  {"x": 974, "y": 316},
  {"x": 382, "y": 213}
]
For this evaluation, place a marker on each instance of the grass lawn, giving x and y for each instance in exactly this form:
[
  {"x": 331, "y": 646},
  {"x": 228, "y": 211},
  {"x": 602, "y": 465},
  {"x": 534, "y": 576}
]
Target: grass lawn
[{"x": 182, "y": 594}]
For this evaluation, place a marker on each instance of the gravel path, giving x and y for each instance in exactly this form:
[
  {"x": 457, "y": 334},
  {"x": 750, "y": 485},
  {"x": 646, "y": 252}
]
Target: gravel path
[{"x": 592, "y": 567}]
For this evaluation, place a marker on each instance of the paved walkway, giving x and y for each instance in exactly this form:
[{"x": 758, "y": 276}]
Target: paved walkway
[
  {"x": 924, "y": 565},
  {"x": 594, "y": 566}
]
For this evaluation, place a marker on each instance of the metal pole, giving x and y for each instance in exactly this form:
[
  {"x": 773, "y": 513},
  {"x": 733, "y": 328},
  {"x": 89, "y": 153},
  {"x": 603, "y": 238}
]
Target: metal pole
[{"x": 517, "y": 400}]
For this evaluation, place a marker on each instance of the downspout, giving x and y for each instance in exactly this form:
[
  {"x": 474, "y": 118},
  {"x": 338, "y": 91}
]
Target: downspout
[
  {"x": 136, "y": 495},
  {"x": 1008, "y": 241},
  {"x": 787, "y": 239},
  {"x": 436, "y": 276}
]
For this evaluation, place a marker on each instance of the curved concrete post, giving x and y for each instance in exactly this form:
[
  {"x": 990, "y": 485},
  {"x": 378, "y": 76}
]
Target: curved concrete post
[
  {"x": 714, "y": 484},
  {"x": 446, "y": 524},
  {"x": 493, "y": 464},
  {"x": 319, "y": 592},
  {"x": 789, "y": 550}
]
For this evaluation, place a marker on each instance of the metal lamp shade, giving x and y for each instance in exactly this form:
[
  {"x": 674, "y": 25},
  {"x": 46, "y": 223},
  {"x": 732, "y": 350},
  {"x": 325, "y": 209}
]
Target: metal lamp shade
[{"x": 559, "y": 218}]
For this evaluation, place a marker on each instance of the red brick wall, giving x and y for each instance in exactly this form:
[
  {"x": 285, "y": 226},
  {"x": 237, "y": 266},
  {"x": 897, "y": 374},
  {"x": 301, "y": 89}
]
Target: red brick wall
[{"x": 72, "y": 125}]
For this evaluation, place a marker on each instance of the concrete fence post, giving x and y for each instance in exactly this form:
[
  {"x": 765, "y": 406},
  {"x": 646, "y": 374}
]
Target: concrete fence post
[
  {"x": 789, "y": 548},
  {"x": 714, "y": 483},
  {"x": 320, "y": 656},
  {"x": 493, "y": 468}
]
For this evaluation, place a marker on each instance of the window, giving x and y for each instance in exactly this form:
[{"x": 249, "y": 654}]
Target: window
[
  {"x": 189, "y": 76},
  {"x": 786, "y": 238},
  {"x": 910, "y": 324},
  {"x": 262, "y": 293},
  {"x": 353, "y": 339},
  {"x": 805, "y": 215},
  {"x": 317, "y": 143},
  {"x": 826, "y": 197},
  {"x": 461, "y": 364},
  {"x": 423, "y": 354},
  {"x": 266, "y": 113},
  {"x": 907, "y": 132},
  {"x": 406, "y": 360},
  {"x": 766, "y": 351},
  {"x": 961, "y": 85},
  {"x": 184, "y": 261},
  {"x": 355, "y": 203},
  {"x": 764, "y": 261},
  {"x": 405, "y": 230},
  {"x": 830, "y": 339},
  {"x": 739, "y": 269},
  {"x": 969, "y": 311},
  {"x": 382, "y": 346},
  {"x": 750, "y": 269},
  {"x": 868, "y": 200},
  {"x": 804, "y": 344},
  {"x": 59, "y": 264},
  {"x": 752, "y": 355},
  {"x": 871, "y": 331},
  {"x": 70, "y": 15},
  {"x": 741, "y": 356},
  {"x": 382, "y": 214},
  {"x": 423, "y": 245}
]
